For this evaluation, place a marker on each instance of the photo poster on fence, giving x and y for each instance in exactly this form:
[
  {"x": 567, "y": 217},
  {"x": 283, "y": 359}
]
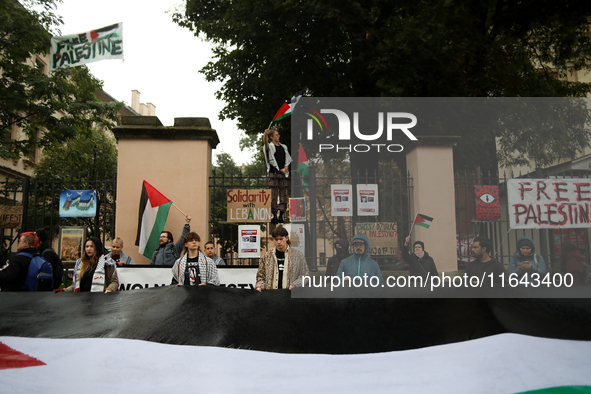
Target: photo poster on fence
[
  {"x": 78, "y": 203},
  {"x": 297, "y": 236},
  {"x": 249, "y": 205},
  {"x": 297, "y": 209},
  {"x": 249, "y": 241},
  {"x": 549, "y": 203},
  {"x": 367, "y": 200},
  {"x": 488, "y": 206},
  {"x": 383, "y": 237},
  {"x": 341, "y": 198}
]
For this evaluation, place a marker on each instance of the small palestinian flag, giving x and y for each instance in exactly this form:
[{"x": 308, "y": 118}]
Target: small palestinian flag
[
  {"x": 287, "y": 107},
  {"x": 423, "y": 220},
  {"x": 303, "y": 167},
  {"x": 154, "y": 207}
]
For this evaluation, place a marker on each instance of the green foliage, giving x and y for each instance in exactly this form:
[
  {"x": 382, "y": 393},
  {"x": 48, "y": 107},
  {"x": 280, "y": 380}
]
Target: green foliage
[
  {"x": 48, "y": 109},
  {"x": 267, "y": 50},
  {"x": 94, "y": 155}
]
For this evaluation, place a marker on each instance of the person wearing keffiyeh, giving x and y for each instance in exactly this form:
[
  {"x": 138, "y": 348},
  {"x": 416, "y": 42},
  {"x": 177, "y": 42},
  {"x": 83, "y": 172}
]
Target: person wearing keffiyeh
[{"x": 419, "y": 262}]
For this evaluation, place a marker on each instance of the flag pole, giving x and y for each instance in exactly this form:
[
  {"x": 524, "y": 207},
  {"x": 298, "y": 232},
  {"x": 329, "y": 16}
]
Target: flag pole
[
  {"x": 270, "y": 124},
  {"x": 413, "y": 224},
  {"x": 174, "y": 205}
]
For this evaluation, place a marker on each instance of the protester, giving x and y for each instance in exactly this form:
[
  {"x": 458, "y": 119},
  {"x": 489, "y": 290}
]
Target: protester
[
  {"x": 210, "y": 252},
  {"x": 117, "y": 254},
  {"x": 419, "y": 262},
  {"x": 14, "y": 275},
  {"x": 277, "y": 159},
  {"x": 341, "y": 247},
  {"x": 360, "y": 264},
  {"x": 485, "y": 264},
  {"x": 168, "y": 252},
  {"x": 49, "y": 254},
  {"x": 193, "y": 267},
  {"x": 281, "y": 267},
  {"x": 94, "y": 272},
  {"x": 526, "y": 262},
  {"x": 572, "y": 262}
]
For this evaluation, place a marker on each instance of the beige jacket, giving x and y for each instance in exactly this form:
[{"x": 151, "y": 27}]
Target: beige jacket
[{"x": 296, "y": 269}]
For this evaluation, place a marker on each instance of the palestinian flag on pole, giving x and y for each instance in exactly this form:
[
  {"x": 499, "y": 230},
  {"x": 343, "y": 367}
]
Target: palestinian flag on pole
[
  {"x": 423, "y": 220},
  {"x": 287, "y": 107},
  {"x": 154, "y": 207},
  {"x": 303, "y": 167}
]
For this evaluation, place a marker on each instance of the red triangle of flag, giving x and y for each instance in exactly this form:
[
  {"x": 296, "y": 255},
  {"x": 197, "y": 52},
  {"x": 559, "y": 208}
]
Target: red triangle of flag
[{"x": 10, "y": 358}]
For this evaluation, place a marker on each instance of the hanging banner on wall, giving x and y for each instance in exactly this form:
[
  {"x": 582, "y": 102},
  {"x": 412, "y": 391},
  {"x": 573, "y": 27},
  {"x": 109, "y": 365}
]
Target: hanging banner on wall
[
  {"x": 249, "y": 241},
  {"x": 78, "y": 203},
  {"x": 87, "y": 47},
  {"x": 549, "y": 203},
  {"x": 488, "y": 206},
  {"x": 249, "y": 205},
  {"x": 367, "y": 200},
  {"x": 341, "y": 198}
]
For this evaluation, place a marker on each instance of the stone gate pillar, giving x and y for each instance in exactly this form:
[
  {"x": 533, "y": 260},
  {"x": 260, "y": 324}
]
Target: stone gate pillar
[
  {"x": 430, "y": 164},
  {"x": 176, "y": 160}
]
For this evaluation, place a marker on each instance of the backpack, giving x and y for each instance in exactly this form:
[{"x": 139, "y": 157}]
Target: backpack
[
  {"x": 57, "y": 265},
  {"x": 40, "y": 274}
]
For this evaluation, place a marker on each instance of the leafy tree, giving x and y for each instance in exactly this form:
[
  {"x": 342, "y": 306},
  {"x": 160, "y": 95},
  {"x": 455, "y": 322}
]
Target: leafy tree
[
  {"x": 94, "y": 155},
  {"x": 267, "y": 50},
  {"x": 49, "y": 109}
]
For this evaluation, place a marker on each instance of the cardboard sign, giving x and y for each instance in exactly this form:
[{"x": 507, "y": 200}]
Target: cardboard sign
[
  {"x": 11, "y": 216},
  {"x": 249, "y": 205},
  {"x": 383, "y": 237}
]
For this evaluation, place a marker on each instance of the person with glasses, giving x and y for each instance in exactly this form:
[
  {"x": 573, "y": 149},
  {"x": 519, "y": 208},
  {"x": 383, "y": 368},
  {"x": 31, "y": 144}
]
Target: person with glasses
[{"x": 168, "y": 252}]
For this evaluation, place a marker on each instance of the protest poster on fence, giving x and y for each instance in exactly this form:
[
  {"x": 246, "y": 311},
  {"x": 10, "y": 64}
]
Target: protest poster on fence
[
  {"x": 249, "y": 205},
  {"x": 549, "y": 203},
  {"x": 87, "y": 47},
  {"x": 383, "y": 237}
]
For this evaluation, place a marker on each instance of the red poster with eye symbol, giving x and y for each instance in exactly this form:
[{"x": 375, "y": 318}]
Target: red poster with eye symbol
[{"x": 488, "y": 206}]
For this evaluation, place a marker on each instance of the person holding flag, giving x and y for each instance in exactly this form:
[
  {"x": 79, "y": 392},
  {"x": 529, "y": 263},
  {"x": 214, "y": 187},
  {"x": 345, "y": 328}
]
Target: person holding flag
[
  {"x": 419, "y": 262},
  {"x": 277, "y": 159},
  {"x": 168, "y": 252}
]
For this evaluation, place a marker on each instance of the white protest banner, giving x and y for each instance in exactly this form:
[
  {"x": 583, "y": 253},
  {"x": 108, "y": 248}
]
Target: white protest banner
[
  {"x": 144, "y": 277},
  {"x": 549, "y": 203},
  {"x": 87, "y": 47}
]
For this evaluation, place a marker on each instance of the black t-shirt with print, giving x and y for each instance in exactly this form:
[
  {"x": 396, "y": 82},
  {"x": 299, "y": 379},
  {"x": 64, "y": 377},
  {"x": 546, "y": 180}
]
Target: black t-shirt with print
[
  {"x": 280, "y": 265},
  {"x": 192, "y": 274}
]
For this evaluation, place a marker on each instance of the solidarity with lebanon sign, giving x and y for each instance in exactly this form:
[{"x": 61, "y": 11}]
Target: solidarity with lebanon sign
[
  {"x": 91, "y": 46},
  {"x": 549, "y": 203}
]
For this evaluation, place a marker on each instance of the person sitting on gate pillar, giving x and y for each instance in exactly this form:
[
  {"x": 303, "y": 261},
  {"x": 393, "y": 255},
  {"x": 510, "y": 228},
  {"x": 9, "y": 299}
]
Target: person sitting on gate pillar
[
  {"x": 360, "y": 264},
  {"x": 168, "y": 252},
  {"x": 193, "y": 267},
  {"x": 210, "y": 252},
  {"x": 117, "y": 254},
  {"x": 282, "y": 267},
  {"x": 93, "y": 272},
  {"x": 13, "y": 276},
  {"x": 485, "y": 265}
]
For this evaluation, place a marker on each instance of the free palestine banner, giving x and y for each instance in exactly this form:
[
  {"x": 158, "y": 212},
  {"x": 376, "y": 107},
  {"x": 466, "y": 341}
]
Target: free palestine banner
[
  {"x": 87, "y": 47},
  {"x": 549, "y": 203}
]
